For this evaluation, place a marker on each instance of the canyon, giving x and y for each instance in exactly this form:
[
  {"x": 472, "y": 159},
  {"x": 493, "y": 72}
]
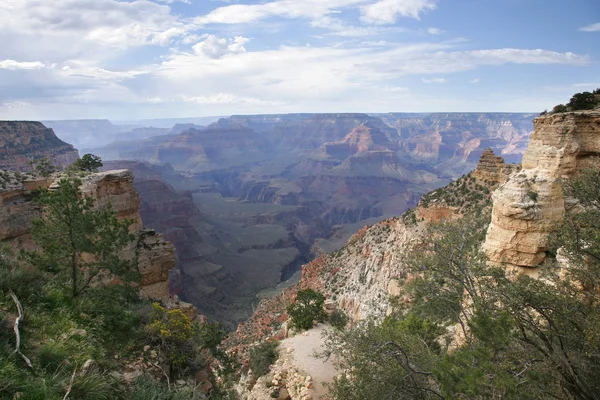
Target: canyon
[
  {"x": 247, "y": 200},
  {"x": 365, "y": 278}
]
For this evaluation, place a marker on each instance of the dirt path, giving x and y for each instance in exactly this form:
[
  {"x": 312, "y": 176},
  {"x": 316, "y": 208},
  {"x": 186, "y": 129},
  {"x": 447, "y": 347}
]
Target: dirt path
[{"x": 304, "y": 346}]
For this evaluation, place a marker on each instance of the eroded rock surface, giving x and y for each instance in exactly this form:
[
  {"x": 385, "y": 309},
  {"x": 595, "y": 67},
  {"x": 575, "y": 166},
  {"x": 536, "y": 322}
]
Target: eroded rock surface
[
  {"x": 528, "y": 207},
  {"x": 23, "y": 141},
  {"x": 155, "y": 256}
]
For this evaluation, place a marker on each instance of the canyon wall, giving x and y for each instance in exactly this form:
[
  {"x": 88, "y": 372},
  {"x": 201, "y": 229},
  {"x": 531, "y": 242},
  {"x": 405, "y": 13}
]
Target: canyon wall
[
  {"x": 23, "y": 141},
  {"x": 361, "y": 277},
  {"x": 531, "y": 204},
  {"x": 155, "y": 256}
]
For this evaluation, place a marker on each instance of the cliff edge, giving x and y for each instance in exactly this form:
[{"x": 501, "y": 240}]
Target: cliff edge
[{"x": 528, "y": 207}]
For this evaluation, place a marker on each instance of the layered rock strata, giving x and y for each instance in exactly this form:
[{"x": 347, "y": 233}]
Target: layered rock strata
[
  {"x": 528, "y": 207},
  {"x": 23, "y": 141},
  {"x": 155, "y": 256},
  {"x": 361, "y": 277}
]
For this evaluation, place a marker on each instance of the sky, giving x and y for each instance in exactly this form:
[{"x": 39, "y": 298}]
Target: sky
[{"x": 125, "y": 59}]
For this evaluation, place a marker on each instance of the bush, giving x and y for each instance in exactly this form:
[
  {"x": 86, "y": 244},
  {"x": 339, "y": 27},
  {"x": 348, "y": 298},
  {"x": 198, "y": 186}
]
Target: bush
[
  {"x": 533, "y": 195},
  {"x": 307, "y": 309},
  {"x": 338, "y": 319},
  {"x": 561, "y": 108},
  {"x": 262, "y": 356},
  {"x": 582, "y": 101}
]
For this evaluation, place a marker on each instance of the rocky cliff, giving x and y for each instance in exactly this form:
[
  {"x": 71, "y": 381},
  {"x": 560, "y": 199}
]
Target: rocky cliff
[
  {"x": 531, "y": 204},
  {"x": 23, "y": 141},
  {"x": 155, "y": 256}
]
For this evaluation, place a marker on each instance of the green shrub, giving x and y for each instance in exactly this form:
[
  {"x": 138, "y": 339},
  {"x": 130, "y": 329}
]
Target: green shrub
[
  {"x": 533, "y": 195},
  {"x": 307, "y": 309},
  {"x": 560, "y": 108},
  {"x": 338, "y": 319},
  {"x": 92, "y": 385},
  {"x": 262, "y": 356}
]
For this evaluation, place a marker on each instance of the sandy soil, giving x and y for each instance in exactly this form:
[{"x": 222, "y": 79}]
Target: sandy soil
[{"x": 304, "y": 347}]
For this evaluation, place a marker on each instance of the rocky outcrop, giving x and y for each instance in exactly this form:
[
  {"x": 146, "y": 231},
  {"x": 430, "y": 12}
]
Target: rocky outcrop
[
  {"x": 115, "y": 189},
  {"x": 468, "y": 193},
  {"x": 155, "y": 256},
  {"x": 23, "y": 141},
  {"x": 491, "y": 167},
  {"x": 531, "y": 204},
  {"x": 17, "y": 209}
]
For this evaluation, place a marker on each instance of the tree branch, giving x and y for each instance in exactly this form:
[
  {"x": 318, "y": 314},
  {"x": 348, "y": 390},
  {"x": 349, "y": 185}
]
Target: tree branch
[
  {"x": 18, "y": 320},
  {"x": 70, "y": 384}
]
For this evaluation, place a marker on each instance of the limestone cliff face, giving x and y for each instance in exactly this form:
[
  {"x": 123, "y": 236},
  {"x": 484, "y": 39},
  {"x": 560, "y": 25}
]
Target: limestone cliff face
[
  {"x": 23, "y": 141},
  {"x": 155, "y": 256},
  {"x": 531, "y": 204}
]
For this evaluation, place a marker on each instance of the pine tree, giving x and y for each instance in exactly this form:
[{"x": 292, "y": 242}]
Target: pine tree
[{"x": 79, "y": 243}]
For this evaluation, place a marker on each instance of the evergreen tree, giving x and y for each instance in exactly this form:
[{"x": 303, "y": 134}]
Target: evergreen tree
[
  {"x": 89, "y": 162},
  {"x": 79, "y": 243}
]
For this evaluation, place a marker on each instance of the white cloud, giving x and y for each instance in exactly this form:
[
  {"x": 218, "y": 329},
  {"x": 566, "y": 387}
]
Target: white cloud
[
  {"x": 14, "y": 65},
  {"x": 338, "y": 27},
  {"x": 388, "y": 11},
  {"x": 15, "y": 104},
  {"x": 476, "y": 80},
  {"x": 77, "y": 26},
  {"x": 522, "y": 56},
  {"x": 434, "y": 80},
  {"x": 591, "y": 28},
  {"x": 215, "y": 47},
  {"x": 227, "y": 98},
  {"x": 435, "y": 31},
  {"x": 587, "y": 85}
]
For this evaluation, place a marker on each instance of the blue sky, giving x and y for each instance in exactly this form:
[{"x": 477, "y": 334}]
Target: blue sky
[{"x": 117, "y": 59}]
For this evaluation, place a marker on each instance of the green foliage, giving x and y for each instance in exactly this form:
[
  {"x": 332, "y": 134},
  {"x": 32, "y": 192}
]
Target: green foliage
[
  {"x": 307, "y": 309},
  {"x": 88, "y": 162},
  {"x": 79, "y": 243},
  {"x": 560, "y": 108},
  {"x": 522, "y": 338},
  {"x": 262, "y": 356},
  {"x": 580, "y": 101},
  {"x": 583, "y": 101},
  {"x": 445, "y": 270},
  {"x": 385, "y": 361},
  {"x": 532, "y": 195},
  {"x": 42, "y": 166},
  {"x": 92, "y": 385},
  {"x": 186, "y": 345},
  {"x": 338, "y": 319}
]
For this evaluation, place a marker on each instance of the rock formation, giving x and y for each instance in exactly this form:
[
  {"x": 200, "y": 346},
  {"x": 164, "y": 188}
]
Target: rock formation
[
  {"x": 23, "y": 141},
  {"x": 155, "y": 256},
  {"x": 531, "y": 204}
]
